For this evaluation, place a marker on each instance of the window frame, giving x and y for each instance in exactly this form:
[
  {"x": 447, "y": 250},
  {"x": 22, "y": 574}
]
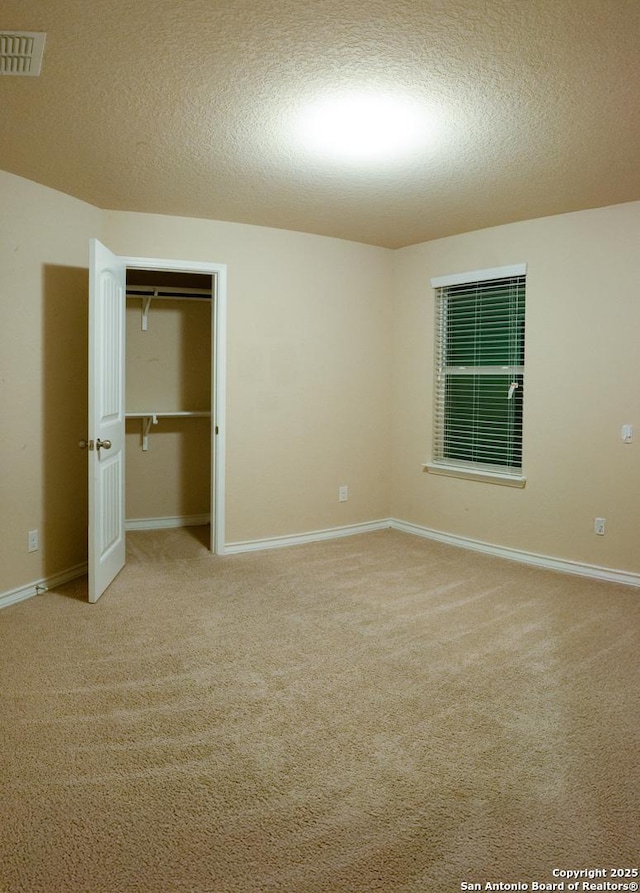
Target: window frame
[{"x": 462, "y": 468}]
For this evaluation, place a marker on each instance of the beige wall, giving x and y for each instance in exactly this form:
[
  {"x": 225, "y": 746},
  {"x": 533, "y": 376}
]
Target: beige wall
[
  {"x": 309, "y": 352},
  {"x": 582, "y": 384},
  {"x": 330, "y": 380},
  {"x": 43, "y": 378},
  {"x": 308, "y": 374},
  {"x": 168, "y": 369}
]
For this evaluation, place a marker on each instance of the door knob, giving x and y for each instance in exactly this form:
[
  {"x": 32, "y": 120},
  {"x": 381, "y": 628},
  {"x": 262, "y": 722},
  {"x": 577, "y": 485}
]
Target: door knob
[{"x": 103, "y": 444}]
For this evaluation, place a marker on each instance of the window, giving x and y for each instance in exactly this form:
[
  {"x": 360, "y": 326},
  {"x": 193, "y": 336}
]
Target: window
[{"x": 480, "y": 319}]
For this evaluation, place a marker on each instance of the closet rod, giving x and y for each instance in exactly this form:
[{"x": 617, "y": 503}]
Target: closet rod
[
  {"x": 147, "y": 293},
  {"x": 143, "y": 291}
]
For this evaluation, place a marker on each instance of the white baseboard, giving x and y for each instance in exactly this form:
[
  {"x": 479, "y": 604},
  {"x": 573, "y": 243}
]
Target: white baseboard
[
  {"x": 313, "y": 536},
  {"x": 592, "y": 571},
  {"x": 161, "y": 523},
  {"x": 545, "y": 561},
  {"x": 39, "y": 587}
]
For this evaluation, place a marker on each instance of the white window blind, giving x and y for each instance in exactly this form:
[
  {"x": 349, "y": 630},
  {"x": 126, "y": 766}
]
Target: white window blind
[{"x": 480, "y": 371}]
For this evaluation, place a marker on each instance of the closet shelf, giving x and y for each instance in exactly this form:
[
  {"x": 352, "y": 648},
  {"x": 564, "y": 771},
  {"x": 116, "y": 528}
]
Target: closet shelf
[
  {"x": 151, "y": 418},
  {"x": 149, "y": 293},
  {"x": 170, "y": 414}
]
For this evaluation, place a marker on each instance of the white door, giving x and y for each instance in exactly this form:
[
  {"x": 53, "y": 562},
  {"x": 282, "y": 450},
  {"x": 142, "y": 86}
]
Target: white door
[{"x": 107, "y": 290}]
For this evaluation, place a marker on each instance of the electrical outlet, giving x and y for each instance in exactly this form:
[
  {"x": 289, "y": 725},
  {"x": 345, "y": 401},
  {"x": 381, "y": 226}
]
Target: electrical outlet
[
  {"x": 33, "y": 544},
  {"x": 599, "y": 526},
  {"x": 343, "y": 493}
]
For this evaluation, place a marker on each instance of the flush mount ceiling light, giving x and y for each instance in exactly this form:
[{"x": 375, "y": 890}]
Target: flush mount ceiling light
[{"x": 364, "y": 127}]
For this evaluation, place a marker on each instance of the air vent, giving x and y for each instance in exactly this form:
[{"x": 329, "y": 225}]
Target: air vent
[{"x": 21, "y": 52}]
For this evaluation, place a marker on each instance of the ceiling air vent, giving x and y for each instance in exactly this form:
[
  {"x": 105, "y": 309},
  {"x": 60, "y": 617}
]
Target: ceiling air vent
[{"x": 21, "y": 52}]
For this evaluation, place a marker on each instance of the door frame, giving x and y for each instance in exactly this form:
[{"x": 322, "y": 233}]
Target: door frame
[{"x": 218, "y": 273}]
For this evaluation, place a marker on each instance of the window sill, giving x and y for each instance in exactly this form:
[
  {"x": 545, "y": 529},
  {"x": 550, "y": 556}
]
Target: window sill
[{"x": 472, "y": 474}]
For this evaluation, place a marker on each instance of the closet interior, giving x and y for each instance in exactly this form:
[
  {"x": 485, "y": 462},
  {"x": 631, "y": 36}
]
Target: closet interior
[{"x": 168, "y": 399}]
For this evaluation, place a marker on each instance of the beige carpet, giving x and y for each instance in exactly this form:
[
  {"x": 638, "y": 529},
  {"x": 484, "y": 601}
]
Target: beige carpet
[{"x": 377, "y": 713}]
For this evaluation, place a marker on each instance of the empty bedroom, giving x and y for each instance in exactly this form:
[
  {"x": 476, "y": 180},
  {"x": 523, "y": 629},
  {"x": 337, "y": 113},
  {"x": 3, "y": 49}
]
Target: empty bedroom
[{"x": 319, "y": 475}]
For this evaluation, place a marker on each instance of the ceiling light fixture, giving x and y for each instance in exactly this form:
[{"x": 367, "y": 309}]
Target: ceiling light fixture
[{"x": 364, "y": 127}]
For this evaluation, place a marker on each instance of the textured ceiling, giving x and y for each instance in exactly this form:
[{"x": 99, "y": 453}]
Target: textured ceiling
[{"x": 187, "y": 107}]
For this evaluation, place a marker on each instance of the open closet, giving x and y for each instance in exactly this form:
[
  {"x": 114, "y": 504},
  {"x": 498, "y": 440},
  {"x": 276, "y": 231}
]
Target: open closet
[
  {"x": 168, "y": 399},
  {"x": 156, "y": 419}
]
